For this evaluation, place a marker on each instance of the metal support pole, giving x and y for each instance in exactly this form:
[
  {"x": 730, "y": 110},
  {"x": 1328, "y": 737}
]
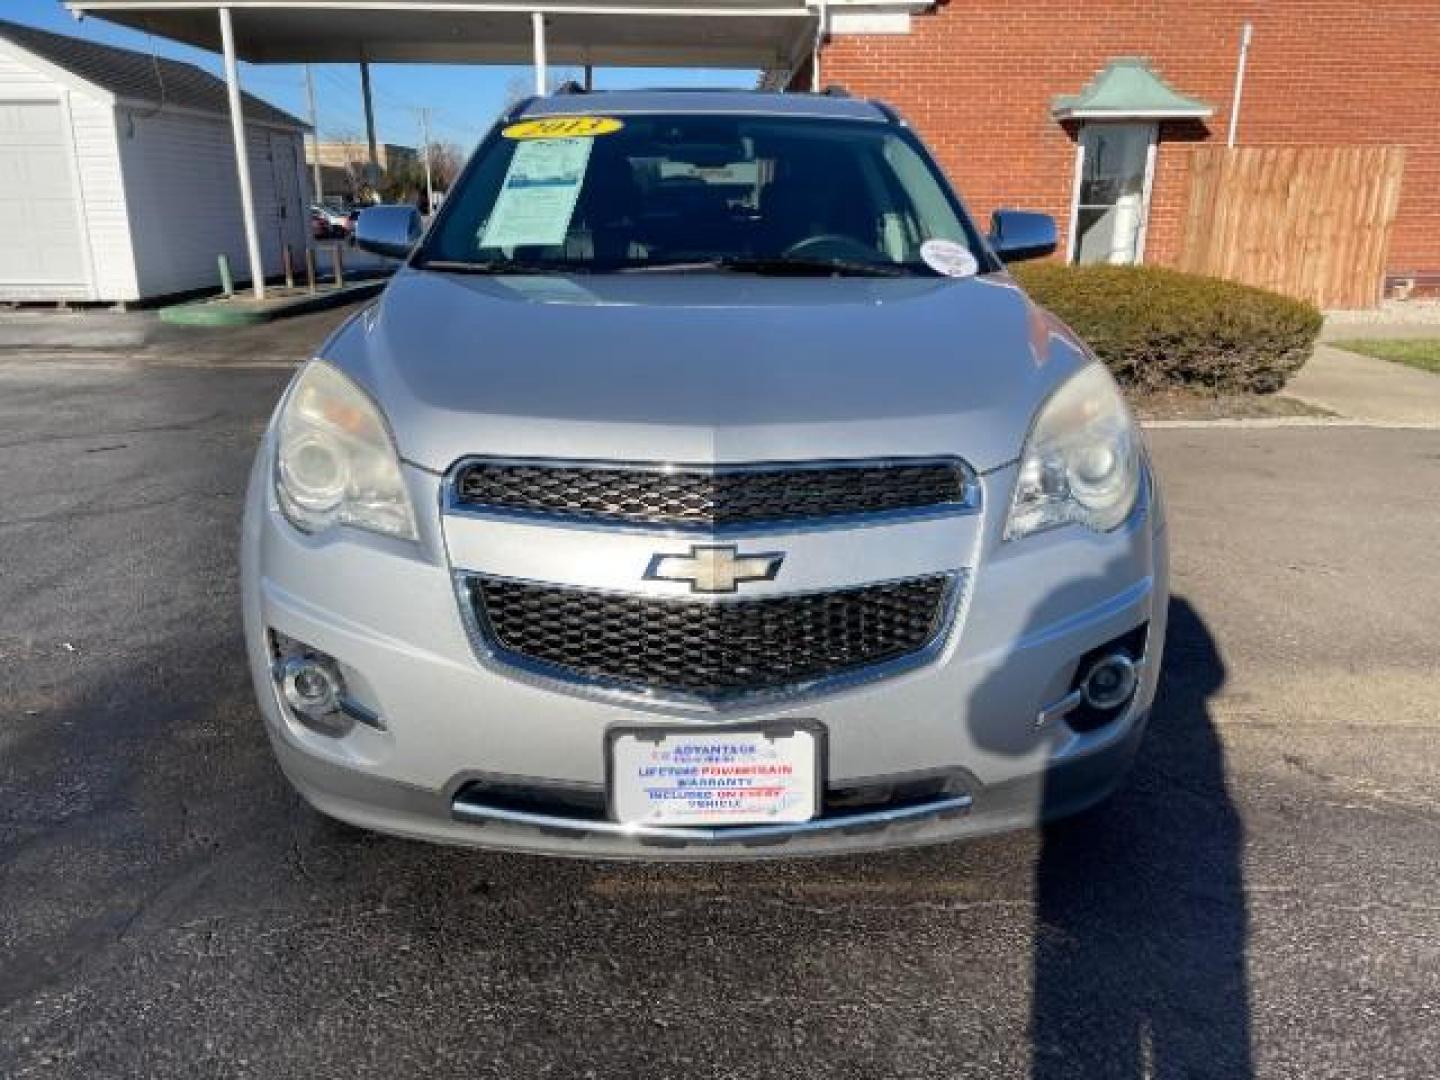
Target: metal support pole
[
  {"x": 310, "y": 269},
  {"x": 319, "y": 192},
  {"x": 589, "y": 77},
  {"x": 537, "y": 26},
  {"x": 1245, "y": 35},
  {"x": 822, "y": 29},
  {"x": 242, "y": 156},
  {"x": 374, "y": 176}
]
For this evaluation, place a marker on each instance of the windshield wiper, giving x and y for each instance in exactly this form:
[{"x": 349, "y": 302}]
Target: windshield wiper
[
  {"x": 800, "y": 266},
  {"x": 792, "y": 265},
  {"x": 500, "y": 266},
  {"x": 779, "y": 265}
]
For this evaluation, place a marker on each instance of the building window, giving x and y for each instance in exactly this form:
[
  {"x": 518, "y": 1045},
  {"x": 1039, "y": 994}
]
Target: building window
[
  {"x": 1116, "y": 117},
  {"x": 1114, "y": 170}
]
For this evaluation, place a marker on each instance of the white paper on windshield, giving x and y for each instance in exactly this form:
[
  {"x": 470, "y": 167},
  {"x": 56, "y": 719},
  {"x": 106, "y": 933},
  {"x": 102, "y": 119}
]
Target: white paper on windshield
[{"x": 538, "y": 197}]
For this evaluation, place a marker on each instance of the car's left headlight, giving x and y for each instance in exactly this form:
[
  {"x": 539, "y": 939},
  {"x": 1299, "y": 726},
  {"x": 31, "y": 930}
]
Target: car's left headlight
[
  {"x": 1082, "y": 461},
  {"x": 335, "y": 463}
]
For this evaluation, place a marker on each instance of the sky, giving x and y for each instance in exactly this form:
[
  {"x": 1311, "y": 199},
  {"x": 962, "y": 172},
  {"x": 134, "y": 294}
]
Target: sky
[{"x": 463, "y": 99}]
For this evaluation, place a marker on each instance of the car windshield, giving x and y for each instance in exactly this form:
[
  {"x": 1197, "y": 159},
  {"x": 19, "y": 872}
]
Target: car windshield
[{"x": 658, "y": 193}]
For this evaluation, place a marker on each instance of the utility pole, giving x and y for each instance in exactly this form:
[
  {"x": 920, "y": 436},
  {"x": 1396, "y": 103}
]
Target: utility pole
[
  {"x": 373, "y": 171},
  {"x": 314, "y": 136},
  {"x": 425, "y": 153}
]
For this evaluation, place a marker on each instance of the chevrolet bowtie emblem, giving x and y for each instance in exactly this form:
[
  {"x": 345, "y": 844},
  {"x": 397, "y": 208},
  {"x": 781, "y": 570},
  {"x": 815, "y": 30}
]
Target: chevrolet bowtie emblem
[{"x": 711, "y": 568}]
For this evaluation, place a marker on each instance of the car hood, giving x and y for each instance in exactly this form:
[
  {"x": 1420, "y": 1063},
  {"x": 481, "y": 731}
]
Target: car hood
[{"x": 705, "y": 367}]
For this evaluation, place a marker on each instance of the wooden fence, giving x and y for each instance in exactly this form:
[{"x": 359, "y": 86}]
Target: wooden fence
[{"x": 1310, "y": 222}]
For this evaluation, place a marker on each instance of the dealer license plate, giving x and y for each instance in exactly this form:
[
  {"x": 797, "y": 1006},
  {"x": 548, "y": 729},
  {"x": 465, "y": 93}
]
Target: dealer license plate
[{"x": 714, "y": 778}]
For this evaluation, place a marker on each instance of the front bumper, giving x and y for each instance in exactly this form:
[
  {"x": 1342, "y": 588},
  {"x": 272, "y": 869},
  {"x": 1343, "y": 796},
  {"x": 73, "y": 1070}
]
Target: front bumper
[
  {"x": 1067, "y": 787},
  {"x": 389, "y": 613}
]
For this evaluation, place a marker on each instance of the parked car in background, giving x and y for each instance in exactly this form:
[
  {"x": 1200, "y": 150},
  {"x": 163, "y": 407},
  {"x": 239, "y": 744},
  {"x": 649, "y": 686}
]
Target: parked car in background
[
  {"x": 320, "y": 226},
  {"x": 338, "y": 223},
  {"x": 703, "y": 486}
]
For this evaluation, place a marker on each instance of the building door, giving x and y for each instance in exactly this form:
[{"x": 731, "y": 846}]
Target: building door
[
  {"x": 291, "y": 218},
  {"x": 39, "y": 212},
  {"x": 1113, "y": 172}
]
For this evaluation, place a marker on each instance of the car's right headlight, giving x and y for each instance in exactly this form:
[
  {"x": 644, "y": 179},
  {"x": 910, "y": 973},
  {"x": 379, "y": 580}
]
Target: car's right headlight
[
  {"x": 335, "y": 463},
  {"x": 1082, "y": 461}
]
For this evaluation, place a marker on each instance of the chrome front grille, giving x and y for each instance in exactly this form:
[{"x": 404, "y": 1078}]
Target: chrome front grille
[
  {"x": 711, "y": 651},
  {"x": 707, "y": 498}
]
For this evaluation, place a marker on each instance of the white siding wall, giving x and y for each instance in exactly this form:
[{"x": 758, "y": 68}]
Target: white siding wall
[
  {"x": 103, "y": 212},
  {"x": 102, "y": 190},
  {"x": 184, "y": 199}
]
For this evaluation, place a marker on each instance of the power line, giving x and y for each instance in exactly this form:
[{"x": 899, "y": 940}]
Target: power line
[
  {"x": 355, "y": 93},
  {"x": 474, "y": 127},
  {"x": 392, "y": 105},
  {"x": 380, "y": 95},
  {"x": 468, "y": 127}
]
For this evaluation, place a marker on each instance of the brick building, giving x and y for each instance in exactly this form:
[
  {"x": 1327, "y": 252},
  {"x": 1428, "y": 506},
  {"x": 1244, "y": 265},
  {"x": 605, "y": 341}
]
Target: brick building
[
  {"x": 344, "y": 163},
  {"x": 1000, "y": 90}
]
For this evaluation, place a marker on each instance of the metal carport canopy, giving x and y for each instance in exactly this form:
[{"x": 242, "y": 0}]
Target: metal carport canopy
[
  {"x": 772, "y": 34},
  {"x": 639, "y": 33}
]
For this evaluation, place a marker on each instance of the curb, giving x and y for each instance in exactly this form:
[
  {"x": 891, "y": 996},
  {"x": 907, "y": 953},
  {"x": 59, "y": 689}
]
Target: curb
[
  {"x": 1272, "y": 423},
  {"x": 213, "y": 312}
]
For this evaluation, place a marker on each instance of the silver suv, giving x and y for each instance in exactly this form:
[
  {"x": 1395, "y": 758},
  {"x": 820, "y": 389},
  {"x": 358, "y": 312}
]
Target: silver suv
[{"x": 702, "y": 486}]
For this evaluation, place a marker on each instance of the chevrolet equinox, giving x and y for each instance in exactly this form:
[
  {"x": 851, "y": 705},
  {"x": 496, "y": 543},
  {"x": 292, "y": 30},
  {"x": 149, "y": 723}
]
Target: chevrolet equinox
[{"x": 702, "y": 486}]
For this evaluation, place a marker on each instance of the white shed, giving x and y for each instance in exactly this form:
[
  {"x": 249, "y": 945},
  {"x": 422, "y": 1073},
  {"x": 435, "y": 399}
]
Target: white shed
[{"x": 117, "y": 173}]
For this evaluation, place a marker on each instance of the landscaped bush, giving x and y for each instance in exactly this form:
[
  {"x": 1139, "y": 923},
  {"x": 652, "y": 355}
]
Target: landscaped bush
[{"x": 1160, "y": 329}]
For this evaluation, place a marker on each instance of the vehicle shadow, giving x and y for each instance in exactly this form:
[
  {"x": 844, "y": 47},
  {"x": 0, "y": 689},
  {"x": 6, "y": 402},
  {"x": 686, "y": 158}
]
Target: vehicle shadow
[
  {"x": 1135, "y": 928},
  {"x": 155, "y": 861},
  {"x": 1140, "y": 918}
]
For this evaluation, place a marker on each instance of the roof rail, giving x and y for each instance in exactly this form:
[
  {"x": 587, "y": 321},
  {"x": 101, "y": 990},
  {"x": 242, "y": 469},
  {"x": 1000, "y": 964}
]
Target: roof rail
[
  {"x": 680, "y": 90},
  {"x": 835, "y": 90},
  {"x": 889, "y": 112},
  {"x": 520, "y": 106},
  {"x": 570, "y": 86}
]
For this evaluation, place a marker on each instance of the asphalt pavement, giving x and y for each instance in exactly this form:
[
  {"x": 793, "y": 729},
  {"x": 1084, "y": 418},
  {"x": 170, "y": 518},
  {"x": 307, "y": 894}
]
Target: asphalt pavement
[{"x": 1260, "y": 900}]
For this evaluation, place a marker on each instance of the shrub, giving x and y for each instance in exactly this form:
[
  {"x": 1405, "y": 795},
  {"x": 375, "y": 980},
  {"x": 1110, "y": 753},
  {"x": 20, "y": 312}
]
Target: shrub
[{"x": 1159, "y": 329}]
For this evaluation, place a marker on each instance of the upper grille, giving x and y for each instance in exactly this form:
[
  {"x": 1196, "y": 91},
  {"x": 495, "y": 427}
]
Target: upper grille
[
  {"x": 709, "y": 650},
  {"x": 708, "y": 498}
]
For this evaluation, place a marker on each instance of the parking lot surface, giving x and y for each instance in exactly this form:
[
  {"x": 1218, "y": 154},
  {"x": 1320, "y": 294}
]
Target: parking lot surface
[{"x": 1260, "y": 900}]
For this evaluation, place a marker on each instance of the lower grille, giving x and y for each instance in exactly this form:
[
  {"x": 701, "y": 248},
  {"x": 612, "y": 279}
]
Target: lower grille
[{"x": 710, "y": 651}]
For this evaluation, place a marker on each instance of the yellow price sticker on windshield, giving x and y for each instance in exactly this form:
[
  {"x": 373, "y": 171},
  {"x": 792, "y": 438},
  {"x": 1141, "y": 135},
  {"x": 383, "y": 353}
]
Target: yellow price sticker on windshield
[{"x": 563, "y": 127}]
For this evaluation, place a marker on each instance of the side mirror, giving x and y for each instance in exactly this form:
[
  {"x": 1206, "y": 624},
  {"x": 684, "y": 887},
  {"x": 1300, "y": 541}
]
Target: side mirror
[
  {"x": 1016, "y": 235},
  {"x": 388, "y": 230}
]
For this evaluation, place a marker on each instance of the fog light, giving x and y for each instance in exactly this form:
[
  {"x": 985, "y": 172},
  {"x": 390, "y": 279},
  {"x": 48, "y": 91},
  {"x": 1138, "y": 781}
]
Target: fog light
[
  {"x": 310, "y": 685},
  {"x": 1109, "y": 682}
]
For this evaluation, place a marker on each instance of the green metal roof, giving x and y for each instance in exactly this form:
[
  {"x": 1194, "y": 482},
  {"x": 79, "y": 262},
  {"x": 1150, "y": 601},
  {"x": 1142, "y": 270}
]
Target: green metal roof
[{"x": 1128, "y": 88}]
